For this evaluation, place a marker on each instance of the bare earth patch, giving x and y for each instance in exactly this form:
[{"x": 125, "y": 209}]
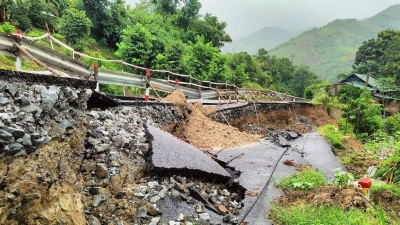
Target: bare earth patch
[{"x": 201, "y": 131}]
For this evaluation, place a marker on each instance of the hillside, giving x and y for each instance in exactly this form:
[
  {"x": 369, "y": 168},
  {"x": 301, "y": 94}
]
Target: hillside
[
  {"x": 267, "y": 37},
  {"x": 331, "y": 49}
]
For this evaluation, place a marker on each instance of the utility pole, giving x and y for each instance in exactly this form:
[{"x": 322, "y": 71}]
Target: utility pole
[{"x": 367, "y": 80}]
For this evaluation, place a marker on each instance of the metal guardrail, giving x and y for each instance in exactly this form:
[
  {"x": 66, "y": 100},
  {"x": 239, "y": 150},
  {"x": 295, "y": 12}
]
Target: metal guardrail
[{"x": 70, "y": 65}]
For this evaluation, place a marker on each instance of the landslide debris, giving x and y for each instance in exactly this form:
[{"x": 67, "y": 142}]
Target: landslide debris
[{"x": 201, "y": 131}]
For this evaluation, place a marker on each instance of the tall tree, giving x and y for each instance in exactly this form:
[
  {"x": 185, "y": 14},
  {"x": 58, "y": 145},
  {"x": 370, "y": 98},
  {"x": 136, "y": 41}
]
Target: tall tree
[
  {"x": 302, "y": 78},
  {"x": 74, "y": 25},
  {"x": 5, "y": 5},
  {"x": 96, "y": 11}
]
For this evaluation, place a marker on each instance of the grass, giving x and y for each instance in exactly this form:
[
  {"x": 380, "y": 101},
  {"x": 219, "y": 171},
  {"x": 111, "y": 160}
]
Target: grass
[
  {"x": 305, "y": 179},
  {"x": 327, "y": 215},
  {"x": 333, "y": 136},
  {"x": 393, "y": 188},
  {"x": 8, "y": 63}
]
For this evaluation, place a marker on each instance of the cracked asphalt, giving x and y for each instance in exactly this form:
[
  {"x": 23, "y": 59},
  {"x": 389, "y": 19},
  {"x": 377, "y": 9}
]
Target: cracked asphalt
[{"x": 256, "y": 163}]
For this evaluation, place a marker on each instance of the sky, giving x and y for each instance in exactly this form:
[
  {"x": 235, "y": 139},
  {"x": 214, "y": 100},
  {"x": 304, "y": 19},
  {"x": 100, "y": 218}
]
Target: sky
[{"x": 247, "y": 16}]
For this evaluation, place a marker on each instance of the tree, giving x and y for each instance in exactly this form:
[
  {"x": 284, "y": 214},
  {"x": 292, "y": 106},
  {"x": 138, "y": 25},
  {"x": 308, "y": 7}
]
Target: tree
[
  {"x": 74, "y": 25},
  {"x": 374, "y": 49},
  {"x": 188, "y": 13},
  {"x": 115, "y": 20},
  {"x": 96, "y": 11},
  {"x": 348, "y": 93},
  {"x": 5, "y": 5},
  {"x": 363, "y": 114},
  {"x": 199, "y": 58},
  {"x": 212, "y": 30},
  {"x": 239, "y": 77},
  {"x": 136, "y": 45},
  {"x": 302, "y": 78}
]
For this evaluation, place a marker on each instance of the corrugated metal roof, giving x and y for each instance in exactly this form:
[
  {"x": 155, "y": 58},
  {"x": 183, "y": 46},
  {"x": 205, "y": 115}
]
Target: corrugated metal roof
[
  {"x": 359, "y": 85},
  {"x": 363, "y": 77}
]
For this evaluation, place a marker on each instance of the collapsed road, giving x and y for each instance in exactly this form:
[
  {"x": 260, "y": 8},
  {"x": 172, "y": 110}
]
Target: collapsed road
[{"x": 73, "y": 156}]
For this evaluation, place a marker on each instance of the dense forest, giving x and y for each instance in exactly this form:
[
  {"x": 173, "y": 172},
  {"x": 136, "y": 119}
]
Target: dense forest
[{"x": 158, "y": 34}]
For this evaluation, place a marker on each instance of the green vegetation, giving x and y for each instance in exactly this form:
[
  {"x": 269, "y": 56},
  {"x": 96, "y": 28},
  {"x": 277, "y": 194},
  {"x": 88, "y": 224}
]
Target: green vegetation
[
  {"x": 305, "y": 179},
  {"x": 392, "y": 124},
  {"x": 349, "y": 92},
  {"x": 158, "y": 34},
  {"x": 363, "y": 115},
  {"x": 334, "y": 136},
  {"x": 7, "y": 28},
  {"x": 327, "y": 215},
  {"x": 331, "y": 50},
  {"x": 311, "y": 91}
]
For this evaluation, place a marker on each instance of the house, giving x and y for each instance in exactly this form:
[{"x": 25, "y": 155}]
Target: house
[
  {"x": 388, "y": 97},
  {"x": 359, "y": 80}
]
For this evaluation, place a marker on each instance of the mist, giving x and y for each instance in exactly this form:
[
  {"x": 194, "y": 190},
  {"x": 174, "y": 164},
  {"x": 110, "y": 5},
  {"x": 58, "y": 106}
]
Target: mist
[{"x": 247, "y": 16}]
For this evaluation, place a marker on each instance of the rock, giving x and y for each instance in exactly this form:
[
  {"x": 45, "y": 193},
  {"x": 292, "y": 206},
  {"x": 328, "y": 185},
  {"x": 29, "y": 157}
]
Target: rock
[
  {"x": 204, "y": 216},
  {"x": 101, "y": 170},
  {"x": 23, "y": 101},
  {"x": 94, "y": 190},
  {"x": 152, "y": 184},
  {"x": 17, "y": 132},
  {"x": 3, "y": 100},
  {"x": 70, "y": 94},
  {"x": 222, "y": 209},
  {"x": 98, "y": 199},
  {"x": 34, "y": 109},
  {"x": 38, "y": 142},
  {"x": 12, "y": 88},
  {"x": 292, "y": 135},
  {"x": 139, "y": 195},
  {"x": 6, "y": 136},
  {"x": 49, "y": 96},
  {"x": 12, "y": 149},
  {"x": 151, "y": 210},
  {"x": 102, "y": 148},
  {"x": 163, "y": 193},
  {"x": 93, "y": 221},
  {"x": 88, "y": 167},
  {"x": 199, "y": 208},
  {"x": 5, "y": 117},
  {"x": 141, "y": 212},
  {"x": 66, "y": 124},
  {"x": 155, "y": 199}
]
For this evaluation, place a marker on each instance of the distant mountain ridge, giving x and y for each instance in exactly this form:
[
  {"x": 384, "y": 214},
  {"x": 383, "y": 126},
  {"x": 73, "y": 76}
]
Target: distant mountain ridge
[
  {"x": 267, "y": 37},
  {"x": 331, "y": 49}
]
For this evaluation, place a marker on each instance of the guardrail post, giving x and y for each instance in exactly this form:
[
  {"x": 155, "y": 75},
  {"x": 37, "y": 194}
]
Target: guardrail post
[
  {"x": 229, "y": 93},
  {"x": 219, "y": 96},
  {"x": 18, "y": 61},
  {"x": 176, "y": 84},
  {"x": 199, "y": 90},
  {"x": 147, "y": 93},
  {"x": 96, "y": 75}
]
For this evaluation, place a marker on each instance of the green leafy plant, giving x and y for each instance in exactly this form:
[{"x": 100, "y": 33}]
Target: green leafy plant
[
  {"x": 334, "y": 136},
  {"x": 342, "y": 177},
  {"x": 306, "y": 179},
  {"x": 7, "y": 28},
  {"x": 392, "y": 124}
]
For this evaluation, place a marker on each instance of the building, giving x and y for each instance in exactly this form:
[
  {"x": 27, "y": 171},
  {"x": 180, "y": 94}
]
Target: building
[{"x": 390, "y": 97}]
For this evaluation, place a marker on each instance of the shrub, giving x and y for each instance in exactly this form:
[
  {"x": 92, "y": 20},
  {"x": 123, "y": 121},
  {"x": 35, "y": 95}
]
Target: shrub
[
  {"x": 349, "y": 92},
  {"x": 363, "y": 115},
  {"x": 392, "y": 124},
  {"x": 8, "y": 28},
  {"x": 305, "y": 179},
  {"x": 334, "y": 136},
  {"x": 311, "y": 90}
]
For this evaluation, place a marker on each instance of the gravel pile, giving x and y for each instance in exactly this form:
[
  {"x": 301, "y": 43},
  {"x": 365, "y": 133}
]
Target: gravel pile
[{"x": 32, "y": 115}]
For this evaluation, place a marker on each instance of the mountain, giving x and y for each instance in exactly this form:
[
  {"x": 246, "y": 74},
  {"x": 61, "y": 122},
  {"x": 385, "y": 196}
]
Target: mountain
[
  {"x": 267, "y": 37},
  {"x": 331, "y": 49}
]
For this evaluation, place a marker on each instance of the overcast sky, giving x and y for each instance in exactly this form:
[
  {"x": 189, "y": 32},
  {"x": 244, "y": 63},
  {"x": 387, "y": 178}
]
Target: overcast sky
[{"x": 247, "y": 16}]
